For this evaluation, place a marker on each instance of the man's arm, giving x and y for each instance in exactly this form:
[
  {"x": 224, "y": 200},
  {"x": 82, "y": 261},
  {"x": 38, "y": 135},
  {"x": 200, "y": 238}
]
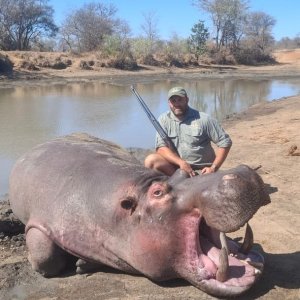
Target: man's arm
[{"x": 221, "y": 155}]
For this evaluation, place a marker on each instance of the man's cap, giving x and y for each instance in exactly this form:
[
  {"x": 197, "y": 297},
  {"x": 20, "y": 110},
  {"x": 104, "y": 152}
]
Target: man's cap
[{"x": 177, "y": 91}]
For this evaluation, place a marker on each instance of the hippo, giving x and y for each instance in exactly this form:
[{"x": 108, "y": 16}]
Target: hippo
[{"x": 87, "y": 198}]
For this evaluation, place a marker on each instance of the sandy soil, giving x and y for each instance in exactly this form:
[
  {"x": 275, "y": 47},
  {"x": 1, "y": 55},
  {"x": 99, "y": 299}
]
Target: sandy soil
[{"x": 266, "y": 135}]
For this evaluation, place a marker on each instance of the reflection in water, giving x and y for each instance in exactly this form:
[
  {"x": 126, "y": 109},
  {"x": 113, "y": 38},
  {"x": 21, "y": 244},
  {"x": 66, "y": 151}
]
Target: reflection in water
[{"x": 29, "y": 116}]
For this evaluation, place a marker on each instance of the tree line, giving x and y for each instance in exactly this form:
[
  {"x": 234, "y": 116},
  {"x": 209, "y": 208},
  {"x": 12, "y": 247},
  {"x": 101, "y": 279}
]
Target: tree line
[{"x": 236, "y": 34}]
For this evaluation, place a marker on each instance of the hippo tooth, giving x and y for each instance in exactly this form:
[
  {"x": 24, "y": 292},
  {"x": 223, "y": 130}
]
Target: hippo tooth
[
  {"x": 248, "y": 240},
  {"x": 257, "y": 271},
  {"x": 257, "y": 265},
  {"x": 222, "y": 273}
]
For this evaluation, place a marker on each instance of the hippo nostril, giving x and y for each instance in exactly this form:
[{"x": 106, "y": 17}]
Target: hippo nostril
[{"x": 229, "y": 176}]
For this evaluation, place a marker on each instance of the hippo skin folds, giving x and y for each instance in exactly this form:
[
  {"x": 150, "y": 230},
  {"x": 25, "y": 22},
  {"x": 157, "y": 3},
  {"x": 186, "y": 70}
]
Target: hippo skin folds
[{"x": 89, "y": 198}]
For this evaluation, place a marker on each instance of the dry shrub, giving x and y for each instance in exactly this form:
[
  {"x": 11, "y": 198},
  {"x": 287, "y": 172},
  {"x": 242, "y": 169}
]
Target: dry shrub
[
  {"x": 28, "y": 65},
  {"x": 44, "y": 63},
  {"x": 86, "y": 65},
  {"x": 253, "y": 56},
  {"x": 191, "y": 61},
  {"x": 178, "y": 61},
  {"x": 222, "y": 57},
  {"x": 100, "y": 64},
  {"x": 170, "y": 60},
  {"x": 6, "y": 66},
  {"x": 60, "y": 63},
  {"x": 206, "y": 60},
  {"x": 123, "y": 63},
  {"x": 149, "y": 60},
  {"x": 57, "y": 63}
]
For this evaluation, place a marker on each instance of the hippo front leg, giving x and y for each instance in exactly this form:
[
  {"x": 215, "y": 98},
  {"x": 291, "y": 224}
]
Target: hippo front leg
[
  {"x": 44, "y": 255},
  {"x": 83, "y": 266}
]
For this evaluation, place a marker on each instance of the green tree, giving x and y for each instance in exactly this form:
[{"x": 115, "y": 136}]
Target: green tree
[
  {"x": 228, "y": 18},
  {"x": 198, "y": 38},
  {"x": 22, "y": 22}
]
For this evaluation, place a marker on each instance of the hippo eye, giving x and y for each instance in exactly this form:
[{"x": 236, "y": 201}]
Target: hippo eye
[{"x": 158, "y": 193}]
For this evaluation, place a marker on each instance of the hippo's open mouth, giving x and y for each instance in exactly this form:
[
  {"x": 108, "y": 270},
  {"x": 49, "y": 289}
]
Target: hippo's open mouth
[{"x": 220, "y": 266}]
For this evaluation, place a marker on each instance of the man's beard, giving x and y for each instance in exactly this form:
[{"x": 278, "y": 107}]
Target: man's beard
[{"x": 179, "y": 112}]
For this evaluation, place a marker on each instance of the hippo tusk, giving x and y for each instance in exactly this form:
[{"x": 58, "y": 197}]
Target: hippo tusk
[
  {"x": 222, "y": 273},
  {"x": 248, "y": 240},
  {"x": 223, "y": 241}
]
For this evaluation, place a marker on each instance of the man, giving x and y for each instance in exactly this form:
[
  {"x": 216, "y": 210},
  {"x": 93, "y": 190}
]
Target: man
[{"x": 192, "y": 133}]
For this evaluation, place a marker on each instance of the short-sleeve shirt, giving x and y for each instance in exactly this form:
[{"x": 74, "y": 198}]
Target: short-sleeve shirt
[{"x": 193, "y": 135}]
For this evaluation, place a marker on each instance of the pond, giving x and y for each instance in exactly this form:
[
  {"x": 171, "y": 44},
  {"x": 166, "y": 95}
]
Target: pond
[{"x": 32, "y": 115}]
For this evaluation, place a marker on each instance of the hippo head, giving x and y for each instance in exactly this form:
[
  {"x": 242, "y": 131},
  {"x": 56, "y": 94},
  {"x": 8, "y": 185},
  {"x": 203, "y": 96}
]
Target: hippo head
[{"x": 180, "y": 225}]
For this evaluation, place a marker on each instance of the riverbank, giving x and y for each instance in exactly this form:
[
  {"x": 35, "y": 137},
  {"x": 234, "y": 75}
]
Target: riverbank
[
  {"x": 266, "y": 135},
  {"x": 25, "y": 73}
]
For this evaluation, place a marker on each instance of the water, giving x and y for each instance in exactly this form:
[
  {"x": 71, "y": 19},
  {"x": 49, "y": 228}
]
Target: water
[{"x": 32, "y": 115}]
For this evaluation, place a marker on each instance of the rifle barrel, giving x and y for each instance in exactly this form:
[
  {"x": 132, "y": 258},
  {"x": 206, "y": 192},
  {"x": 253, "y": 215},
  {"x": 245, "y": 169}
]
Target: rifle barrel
[{"x": 154, "y": 122}]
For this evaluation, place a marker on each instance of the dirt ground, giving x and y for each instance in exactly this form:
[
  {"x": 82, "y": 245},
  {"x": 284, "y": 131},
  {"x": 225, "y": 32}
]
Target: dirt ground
[{"x": 266, "y": 135}]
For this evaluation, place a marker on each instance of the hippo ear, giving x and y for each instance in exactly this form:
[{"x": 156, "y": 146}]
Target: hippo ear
[{"x": 129, "y": 203}]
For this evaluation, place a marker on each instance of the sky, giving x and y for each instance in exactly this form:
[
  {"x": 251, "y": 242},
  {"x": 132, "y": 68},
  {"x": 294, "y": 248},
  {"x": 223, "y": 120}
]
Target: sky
[{"x": 179, "y": 16}]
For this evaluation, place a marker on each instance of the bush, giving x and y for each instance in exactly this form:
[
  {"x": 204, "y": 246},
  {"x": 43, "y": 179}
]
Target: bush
[
  {"x": 6, "y": 66},
  {"x": 123, "y": 63},
  {"x": 85, "y": 65},
  {"x": 222, "y": 56},
  {"x": 253, "y": 56},
  {"x": 150, "y": 61},
  {"x": 29, "y": 66},
  {"x": 59, "y": 65},
  {"x": 176, "y": 63}
]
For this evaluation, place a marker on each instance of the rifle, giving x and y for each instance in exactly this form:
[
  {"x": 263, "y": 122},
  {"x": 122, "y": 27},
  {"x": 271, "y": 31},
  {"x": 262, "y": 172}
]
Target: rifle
[{"x": 154, "y": 122}]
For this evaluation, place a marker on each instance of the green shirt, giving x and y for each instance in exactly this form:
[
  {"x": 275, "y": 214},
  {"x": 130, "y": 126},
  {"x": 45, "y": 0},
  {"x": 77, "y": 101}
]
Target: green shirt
[{"x": 193, "y": 136}]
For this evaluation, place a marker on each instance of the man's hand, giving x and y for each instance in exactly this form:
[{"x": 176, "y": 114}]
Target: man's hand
[
  {"x": 174, "y": 159},
  {"x": 187, "y": 168},
  {"x": 208, "y": 170}
]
